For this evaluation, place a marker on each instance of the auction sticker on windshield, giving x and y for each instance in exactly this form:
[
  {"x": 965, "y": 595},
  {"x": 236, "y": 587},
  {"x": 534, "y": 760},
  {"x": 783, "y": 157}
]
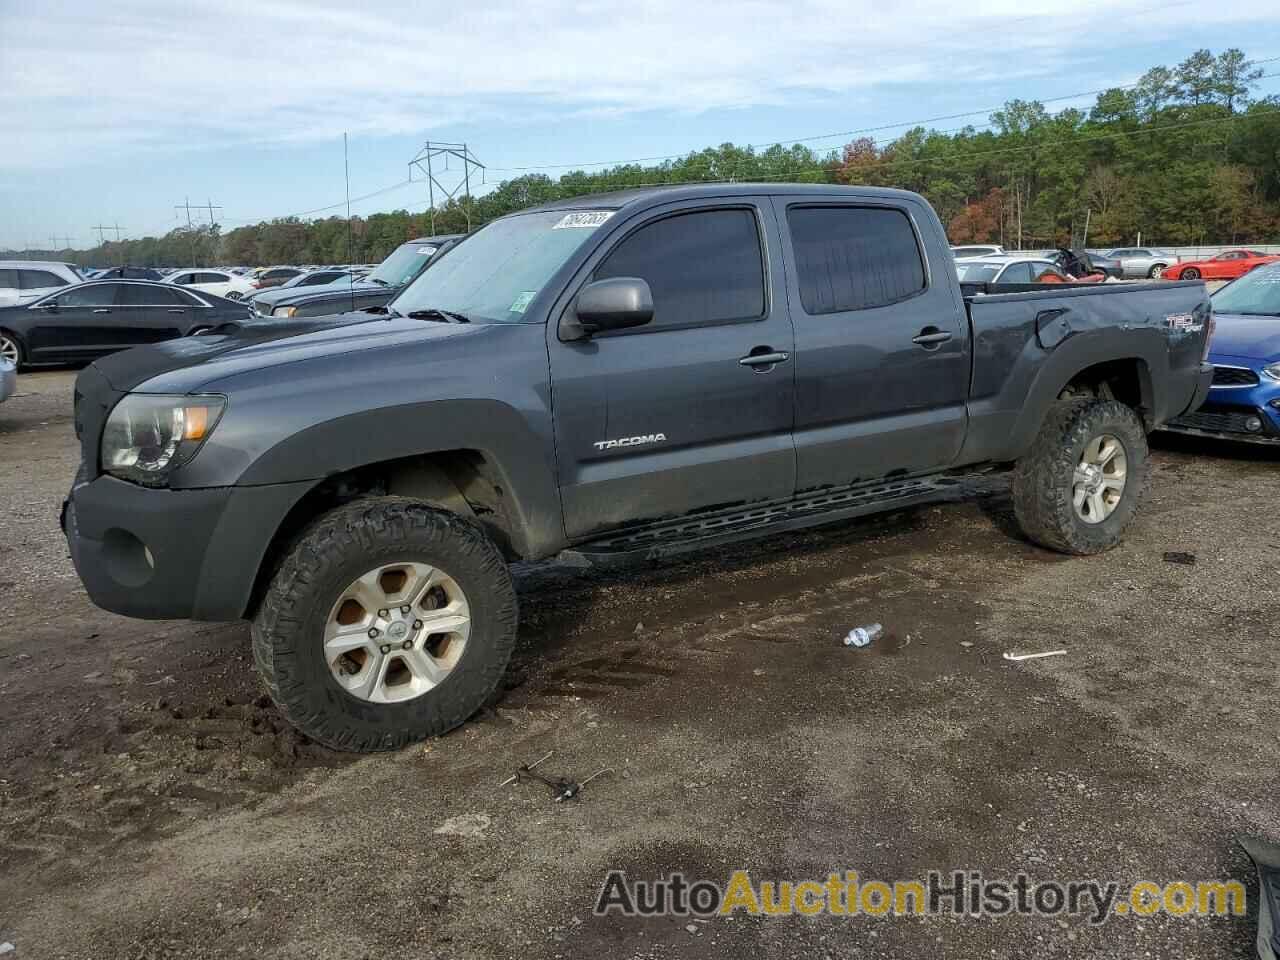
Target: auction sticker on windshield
[{"x": 583, "y": 218}]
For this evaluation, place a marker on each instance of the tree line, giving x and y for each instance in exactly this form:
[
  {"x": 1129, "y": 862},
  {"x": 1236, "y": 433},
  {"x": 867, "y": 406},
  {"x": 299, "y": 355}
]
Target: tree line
[{"x": 1185, "y": 156}]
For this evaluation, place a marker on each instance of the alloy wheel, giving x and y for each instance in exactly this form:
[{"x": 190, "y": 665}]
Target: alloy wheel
[
  {"x": 9, "y": 349},
  {"x": 397, "y": 632},
  {"x": 1099, "y": 480}
]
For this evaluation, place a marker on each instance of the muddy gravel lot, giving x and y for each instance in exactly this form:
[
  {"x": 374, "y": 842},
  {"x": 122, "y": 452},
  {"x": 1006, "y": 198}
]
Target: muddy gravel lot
[{"x": 153, "y": 803}]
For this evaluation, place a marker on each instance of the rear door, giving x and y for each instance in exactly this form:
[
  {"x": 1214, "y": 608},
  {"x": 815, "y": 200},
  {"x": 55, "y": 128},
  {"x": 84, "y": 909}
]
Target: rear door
[
  {"x": 664, "y": 419},
  {"x": 149, "y": 313},
  {"x": 882, "y": 361}
]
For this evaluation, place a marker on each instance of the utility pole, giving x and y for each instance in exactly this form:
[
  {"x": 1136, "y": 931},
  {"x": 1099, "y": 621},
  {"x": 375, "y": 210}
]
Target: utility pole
[{"x": 428, "y": 162}]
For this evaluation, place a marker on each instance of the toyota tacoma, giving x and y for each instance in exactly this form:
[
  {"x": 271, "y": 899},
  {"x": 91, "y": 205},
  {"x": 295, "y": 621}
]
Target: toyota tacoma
[{"x": 613, "y": 377}]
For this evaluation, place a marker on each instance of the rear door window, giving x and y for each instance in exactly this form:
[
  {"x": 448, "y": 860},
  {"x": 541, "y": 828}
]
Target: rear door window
[
  {"x": 703, "y": 267},
  {"x": 1016, "y": 273},
  {"x": 8, "y": 279},
  {"x": 854, "y": 258},
  {"x": 147, "y": 295}
]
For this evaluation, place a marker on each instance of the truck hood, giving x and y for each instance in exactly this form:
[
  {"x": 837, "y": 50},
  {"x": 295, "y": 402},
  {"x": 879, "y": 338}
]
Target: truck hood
[
  {"x": 339, "y": 288},
  {"x": 187, "y": 364},
  {"x": 1254, "y": 338}
]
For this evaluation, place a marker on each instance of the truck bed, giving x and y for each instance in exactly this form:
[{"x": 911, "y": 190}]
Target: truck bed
[{"x": 1028, "y": 339}]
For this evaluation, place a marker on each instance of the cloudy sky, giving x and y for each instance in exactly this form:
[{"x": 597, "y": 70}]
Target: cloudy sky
[{"x": 116, "y": 111}]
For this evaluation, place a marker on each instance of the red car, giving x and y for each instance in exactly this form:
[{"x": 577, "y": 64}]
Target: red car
[{"x": 1227, "y": 265}]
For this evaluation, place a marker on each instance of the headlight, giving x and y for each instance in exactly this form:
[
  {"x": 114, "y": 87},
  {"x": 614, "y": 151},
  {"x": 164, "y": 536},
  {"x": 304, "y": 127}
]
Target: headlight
[
  {"x": 1272, "y": 371},
  {"x": 147, "y": 436},
  {"x": 284, "y": 311}
]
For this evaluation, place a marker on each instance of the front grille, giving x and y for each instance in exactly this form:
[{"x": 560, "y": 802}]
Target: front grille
[
  {"x": 1234, "y": 377},
  {"x": 1216, "y": 420}
]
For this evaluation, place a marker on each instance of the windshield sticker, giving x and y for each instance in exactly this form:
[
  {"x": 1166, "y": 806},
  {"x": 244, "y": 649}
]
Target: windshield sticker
[
  {"x": 521, "y": 303},
  {"x": 426, "y": 251},
  {"x": 589, "y": 219}
]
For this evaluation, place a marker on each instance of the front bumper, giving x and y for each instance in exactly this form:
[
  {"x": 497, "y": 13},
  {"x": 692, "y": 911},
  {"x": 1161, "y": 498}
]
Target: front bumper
[
  {"x": 172, "y": 554},
  {"x": 1230, "y": 412}
]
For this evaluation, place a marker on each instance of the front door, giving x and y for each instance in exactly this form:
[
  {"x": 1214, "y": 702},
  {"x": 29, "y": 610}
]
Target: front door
[
  {"x": 882, "y": 362},
  {"x": 76, "y": 324},
  {"x": 681, "y": 414}
]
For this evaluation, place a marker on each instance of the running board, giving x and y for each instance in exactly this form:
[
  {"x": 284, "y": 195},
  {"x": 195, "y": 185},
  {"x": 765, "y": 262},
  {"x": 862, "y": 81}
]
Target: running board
[{"x": 715, "y": 528}]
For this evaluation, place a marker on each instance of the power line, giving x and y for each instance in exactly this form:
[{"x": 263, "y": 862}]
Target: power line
[{"x": 852, "y": 133}]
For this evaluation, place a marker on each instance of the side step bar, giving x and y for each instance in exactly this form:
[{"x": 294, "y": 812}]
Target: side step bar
[{"x": 719, "y": 527}]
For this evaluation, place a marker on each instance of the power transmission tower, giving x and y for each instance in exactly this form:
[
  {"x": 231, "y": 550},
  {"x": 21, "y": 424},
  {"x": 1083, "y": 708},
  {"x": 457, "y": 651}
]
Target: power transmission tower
[
  {"x": 428, "y": 162},
  {"x": 102, "y": 240},
  {"x": 186, "y": 205}
]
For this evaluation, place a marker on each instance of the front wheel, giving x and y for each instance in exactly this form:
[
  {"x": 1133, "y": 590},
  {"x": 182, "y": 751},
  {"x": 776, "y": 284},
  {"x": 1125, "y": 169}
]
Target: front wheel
[
  {"x": 1077, "y": 489},
  {"x": 388, "y": 622},
  {"x": 1191, "y": 273}
]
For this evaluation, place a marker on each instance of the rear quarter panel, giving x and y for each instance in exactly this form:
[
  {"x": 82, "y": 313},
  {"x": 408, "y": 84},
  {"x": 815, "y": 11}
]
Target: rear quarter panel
[{"x": 1017, "y": 374}]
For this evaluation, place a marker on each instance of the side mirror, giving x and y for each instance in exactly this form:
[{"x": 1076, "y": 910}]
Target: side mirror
[{"x": 613, "y": 304}]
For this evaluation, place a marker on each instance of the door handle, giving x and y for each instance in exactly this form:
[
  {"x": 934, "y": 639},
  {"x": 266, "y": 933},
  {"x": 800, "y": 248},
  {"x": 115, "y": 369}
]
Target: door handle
[
  {"x": 765, "y": 359},
  {"x": 101, "y": 310},
  {"x": 930, "y": 337},
  {"x": 177, "y": 310}
]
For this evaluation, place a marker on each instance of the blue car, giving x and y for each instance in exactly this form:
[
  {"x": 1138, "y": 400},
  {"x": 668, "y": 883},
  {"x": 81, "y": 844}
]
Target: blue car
[{"x": 1244, "y": 402}]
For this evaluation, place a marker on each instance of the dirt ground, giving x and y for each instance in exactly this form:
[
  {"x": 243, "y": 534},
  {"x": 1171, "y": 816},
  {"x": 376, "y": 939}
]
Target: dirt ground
[{"x": 153, "y": 804}]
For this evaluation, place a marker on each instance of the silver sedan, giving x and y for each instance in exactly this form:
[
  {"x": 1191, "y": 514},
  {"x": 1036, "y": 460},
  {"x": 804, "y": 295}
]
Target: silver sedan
[
  {"x": 1137, "y": 262},
  {"x": 8, "y": 379}
]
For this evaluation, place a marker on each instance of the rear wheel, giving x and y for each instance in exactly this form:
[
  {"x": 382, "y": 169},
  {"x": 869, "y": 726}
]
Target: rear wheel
[
  {"x": 10, "y": 348},
  {"x": 234, "y": 294},
  {"x": 1156, "y": 271},
  {"x": 1077, "y": 488},
  {"x": 389, "y": 621}
]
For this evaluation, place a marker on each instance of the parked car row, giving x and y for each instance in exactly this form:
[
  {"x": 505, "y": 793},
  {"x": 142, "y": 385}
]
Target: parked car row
[{"x": 59, "y": 318}]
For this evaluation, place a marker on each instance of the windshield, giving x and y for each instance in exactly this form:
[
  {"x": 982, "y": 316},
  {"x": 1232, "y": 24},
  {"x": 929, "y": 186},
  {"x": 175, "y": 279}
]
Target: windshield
[
  {"x": 405, "y": 263},
  {"x": 978, "y": 272},
  {"x": 1257, "y": 292},
  {"x": 495, "y": 273}
]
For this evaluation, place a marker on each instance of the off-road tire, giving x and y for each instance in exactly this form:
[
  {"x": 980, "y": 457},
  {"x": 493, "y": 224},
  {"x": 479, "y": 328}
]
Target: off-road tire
[
  {"x": 288, "y": 628},
  {"x": 1043, "y": 478}
]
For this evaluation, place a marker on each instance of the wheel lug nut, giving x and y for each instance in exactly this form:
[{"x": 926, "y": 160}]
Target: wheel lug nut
[
  {"x": 417, "y": 624},
  {"x": 382, "y": 614},
  {"x": 407, "y": 645},
  {"x": 386, "y": 648},
  {"x": 405, "y": 609},
  {"x": 373, "y": 633}
]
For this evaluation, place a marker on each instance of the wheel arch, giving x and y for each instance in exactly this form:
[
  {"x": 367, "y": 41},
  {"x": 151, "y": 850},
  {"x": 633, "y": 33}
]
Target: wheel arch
[
  {"x": 466, "y": 481},
  {"x": 1125, "y": 366}
]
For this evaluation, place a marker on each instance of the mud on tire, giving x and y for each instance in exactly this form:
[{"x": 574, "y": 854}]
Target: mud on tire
[
  {"x": 343, "y": 545},
  {"x": 1043, "y": 479}
]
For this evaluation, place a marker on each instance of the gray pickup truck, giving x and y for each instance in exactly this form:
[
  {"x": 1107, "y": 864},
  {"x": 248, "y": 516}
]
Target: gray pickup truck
[{"x": 619, "y": 376}]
